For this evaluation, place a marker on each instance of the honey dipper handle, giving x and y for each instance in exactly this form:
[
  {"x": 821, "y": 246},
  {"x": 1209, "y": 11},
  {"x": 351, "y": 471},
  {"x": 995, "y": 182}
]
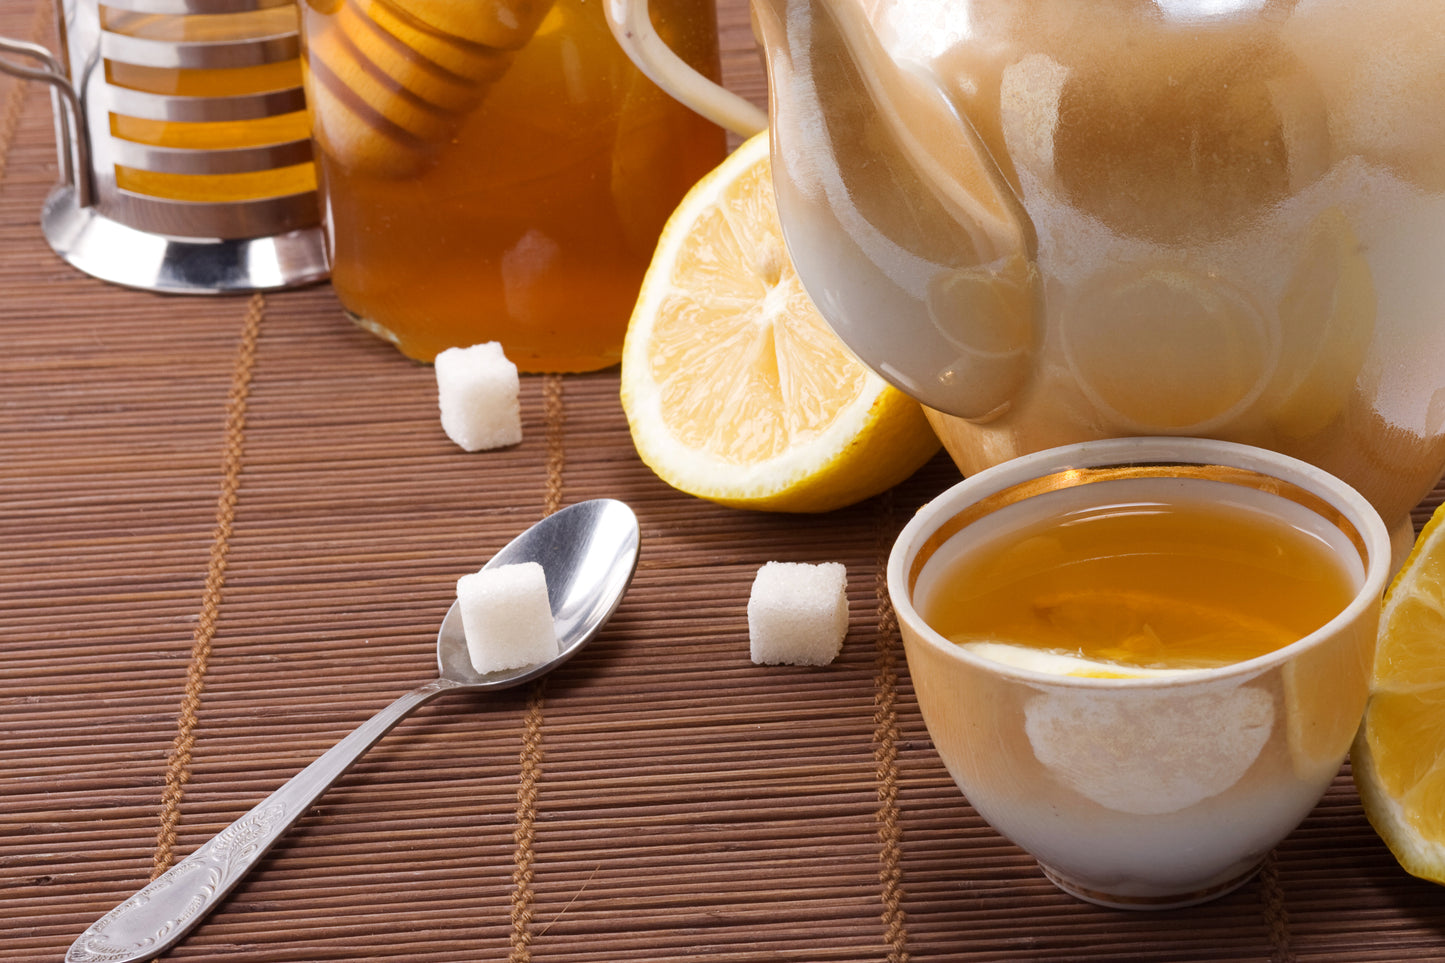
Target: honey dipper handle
[{"x": 631, "y": 24}]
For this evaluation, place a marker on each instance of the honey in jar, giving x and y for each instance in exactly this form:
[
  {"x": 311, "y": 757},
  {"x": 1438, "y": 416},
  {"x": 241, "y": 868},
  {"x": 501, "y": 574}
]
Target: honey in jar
[{"x": 497, "y": 171}]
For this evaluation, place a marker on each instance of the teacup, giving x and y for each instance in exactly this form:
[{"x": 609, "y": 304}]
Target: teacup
[
  {"x": 1142, "y": 788},
  {"x": 1056, "y": 220}
]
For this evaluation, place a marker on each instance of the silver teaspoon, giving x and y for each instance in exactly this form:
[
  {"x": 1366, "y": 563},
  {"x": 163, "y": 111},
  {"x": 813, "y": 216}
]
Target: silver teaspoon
[{"x": 588, "y": 552}]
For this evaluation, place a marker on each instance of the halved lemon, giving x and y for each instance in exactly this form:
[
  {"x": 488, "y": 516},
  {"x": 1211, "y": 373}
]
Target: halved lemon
[
  {"x": 735, "y": 388},
  {"x": 1398, "y": 759}
]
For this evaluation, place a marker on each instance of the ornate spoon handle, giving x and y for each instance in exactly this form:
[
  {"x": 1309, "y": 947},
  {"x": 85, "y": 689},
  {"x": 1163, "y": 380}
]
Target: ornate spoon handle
[{"x": 157, "y": 917}]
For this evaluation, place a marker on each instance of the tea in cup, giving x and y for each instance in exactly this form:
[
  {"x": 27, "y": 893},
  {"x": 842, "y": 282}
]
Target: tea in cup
[{"x": 1143, "y": 660}]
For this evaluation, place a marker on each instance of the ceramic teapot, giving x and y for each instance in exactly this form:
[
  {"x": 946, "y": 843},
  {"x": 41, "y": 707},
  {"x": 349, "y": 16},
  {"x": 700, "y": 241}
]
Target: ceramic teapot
[{"x": 1055, "y": 220}]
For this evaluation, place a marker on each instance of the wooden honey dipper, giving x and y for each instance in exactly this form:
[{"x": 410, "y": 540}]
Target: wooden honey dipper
[{"x": 389, "y": 79}]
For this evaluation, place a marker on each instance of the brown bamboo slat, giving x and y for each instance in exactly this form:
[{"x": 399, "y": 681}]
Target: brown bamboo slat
[{"x": 192, "y": 608}]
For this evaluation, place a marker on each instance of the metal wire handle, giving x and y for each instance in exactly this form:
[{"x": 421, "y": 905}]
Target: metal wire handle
[{"x": 70, "y": 139}]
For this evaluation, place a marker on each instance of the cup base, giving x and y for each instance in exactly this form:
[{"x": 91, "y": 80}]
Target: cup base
[{"x": 1164, "y": 901}]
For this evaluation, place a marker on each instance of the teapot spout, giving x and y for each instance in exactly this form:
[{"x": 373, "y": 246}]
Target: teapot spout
[{"x": 904, "y": 231}]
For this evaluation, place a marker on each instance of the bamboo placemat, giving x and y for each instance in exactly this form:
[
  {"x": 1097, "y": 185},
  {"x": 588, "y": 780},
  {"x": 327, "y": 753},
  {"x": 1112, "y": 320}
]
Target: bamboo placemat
[{"x": 228, "y": 531}]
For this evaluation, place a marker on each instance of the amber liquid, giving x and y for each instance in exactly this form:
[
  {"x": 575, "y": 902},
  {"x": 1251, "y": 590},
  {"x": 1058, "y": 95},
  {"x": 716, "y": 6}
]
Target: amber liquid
[
  {"x": 219, "y": 82},
  {"x": 1170, "y": 580},
  {"x": 515, "y": 196}
]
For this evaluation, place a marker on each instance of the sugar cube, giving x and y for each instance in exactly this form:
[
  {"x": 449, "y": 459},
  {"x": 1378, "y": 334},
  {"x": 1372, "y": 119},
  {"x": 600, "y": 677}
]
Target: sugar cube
[
  {"x": 798, "y": 613},
  {"x": 506, "y": 617},
  {"x": 477, "y": 390}
]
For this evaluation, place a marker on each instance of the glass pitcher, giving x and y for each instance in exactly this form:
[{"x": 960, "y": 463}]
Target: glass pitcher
[{"x": 1056, "y": 220}]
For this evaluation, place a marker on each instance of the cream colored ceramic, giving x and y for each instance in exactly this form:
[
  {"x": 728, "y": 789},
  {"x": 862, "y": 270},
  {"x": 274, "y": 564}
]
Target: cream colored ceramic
[
  {"x": 1148, "y": 792},
  {"x": 1056, "y": 220}
]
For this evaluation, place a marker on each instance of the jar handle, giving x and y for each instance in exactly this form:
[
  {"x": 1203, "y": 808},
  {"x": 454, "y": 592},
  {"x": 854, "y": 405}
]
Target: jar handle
[{"x": 631, "y": 24}]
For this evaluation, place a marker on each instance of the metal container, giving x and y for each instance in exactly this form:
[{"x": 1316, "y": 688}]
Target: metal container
[{"x": 185, "y": 156}]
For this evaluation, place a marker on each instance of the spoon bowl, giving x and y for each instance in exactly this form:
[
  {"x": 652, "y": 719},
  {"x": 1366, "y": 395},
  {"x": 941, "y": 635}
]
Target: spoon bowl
[{"x": 588, "y": 552}]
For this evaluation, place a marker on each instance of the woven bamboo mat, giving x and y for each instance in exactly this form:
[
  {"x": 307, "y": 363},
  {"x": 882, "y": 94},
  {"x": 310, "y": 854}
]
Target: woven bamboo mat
[{"x": 228, "y": 531}]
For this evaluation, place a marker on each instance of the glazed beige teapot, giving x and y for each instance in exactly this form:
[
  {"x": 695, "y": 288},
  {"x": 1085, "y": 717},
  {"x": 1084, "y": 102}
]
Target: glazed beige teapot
[{"x": 1055, "y": 220}]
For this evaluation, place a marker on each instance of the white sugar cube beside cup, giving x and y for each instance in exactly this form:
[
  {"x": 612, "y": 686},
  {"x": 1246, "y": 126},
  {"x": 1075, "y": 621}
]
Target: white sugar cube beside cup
[
  {"x": 798, "y": 613},
  {"x": 478, "y": 391},
  {"x": 506, "y": 617}
]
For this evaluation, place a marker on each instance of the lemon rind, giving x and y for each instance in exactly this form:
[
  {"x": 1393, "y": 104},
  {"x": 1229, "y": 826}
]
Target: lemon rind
[{"x": 1417, "y": 854}]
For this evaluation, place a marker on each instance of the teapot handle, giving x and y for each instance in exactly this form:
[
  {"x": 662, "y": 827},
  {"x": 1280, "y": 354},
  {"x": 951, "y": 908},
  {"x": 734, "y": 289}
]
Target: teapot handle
[{"x": 631, "y": 24}]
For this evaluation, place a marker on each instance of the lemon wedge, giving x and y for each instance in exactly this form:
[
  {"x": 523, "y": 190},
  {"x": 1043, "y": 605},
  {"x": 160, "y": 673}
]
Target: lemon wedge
[
  {"x": 735, "y": 389},
  {"x": 1398, "y": 759}
]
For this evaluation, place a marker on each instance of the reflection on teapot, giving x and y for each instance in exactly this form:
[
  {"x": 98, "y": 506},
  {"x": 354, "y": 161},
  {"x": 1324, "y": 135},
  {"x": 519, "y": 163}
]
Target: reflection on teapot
[
  {"x": 893, "y": 208},
  {"x": 1054, "y": 220}
]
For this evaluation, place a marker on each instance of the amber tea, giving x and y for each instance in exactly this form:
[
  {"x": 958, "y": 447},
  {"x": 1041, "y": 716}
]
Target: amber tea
[
  {"x": 234, "y": 128},
  {"x": 1116, "y": 735},
  {"x": 1178, "y": 575}
]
